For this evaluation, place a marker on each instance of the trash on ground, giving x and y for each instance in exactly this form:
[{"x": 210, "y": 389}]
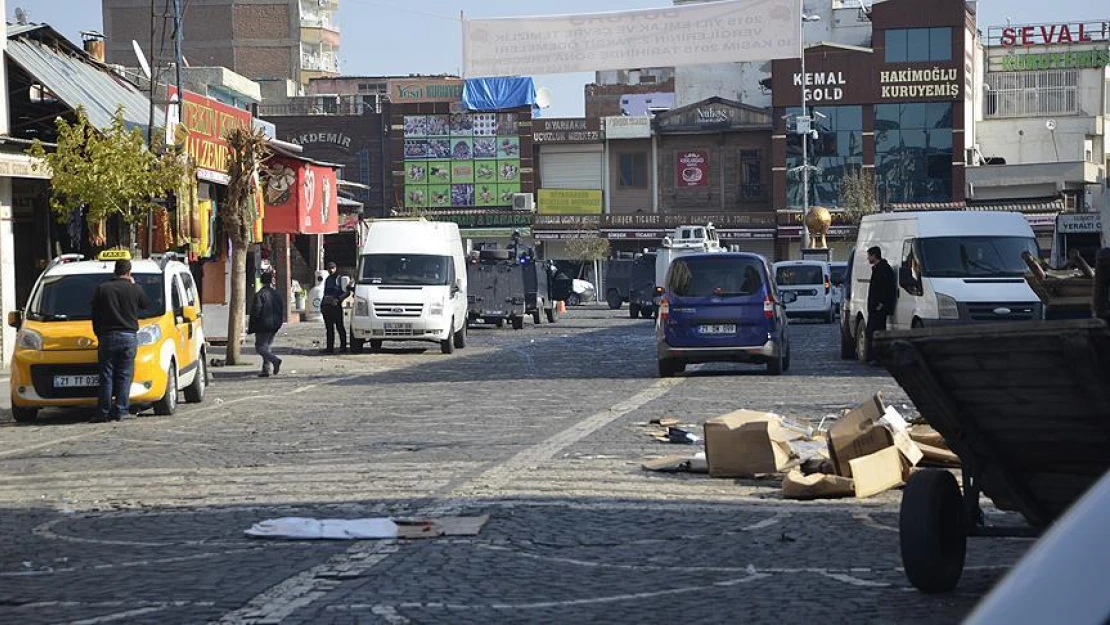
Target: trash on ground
[
  {"x": 665, "y": 421},
  {"x": 748, "y": 443},
  {"x": 695, "y": 463},
  {"x": 681, "y": 436},
  {"x": 796, "y": 485},
  {"x": 857, "y": 434},
  {"x": 877, "y": 472},
  {"x": 304, "y": 528}
]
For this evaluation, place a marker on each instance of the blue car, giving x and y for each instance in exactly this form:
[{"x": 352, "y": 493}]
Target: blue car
[{"x": 722, "y": 307}]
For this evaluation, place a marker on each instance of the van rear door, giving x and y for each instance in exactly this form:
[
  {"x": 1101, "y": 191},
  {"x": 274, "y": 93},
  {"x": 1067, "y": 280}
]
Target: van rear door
[{"x": 716, "y": 301}]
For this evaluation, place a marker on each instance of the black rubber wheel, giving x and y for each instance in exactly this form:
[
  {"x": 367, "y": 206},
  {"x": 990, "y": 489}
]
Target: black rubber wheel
[
  {"x": 786, "y": 358},
  {"x": 23, "y": 414},
  {"x": 537, "y": 316},
  {"x": 375, "y": 346},
  {"x": 830, "y": 316},
  {"x": 861, "y": 341},
  {"x": 518, "y": 323},
  {"x": 633, "y": 311},
  {"x": 499, "y": 323},
  {"x": 168, "y": 404},
  {"x": 847, "y": 345},
  {"x": 194, "y": 393},
  {"x": 573, "y": 299},
  {"x": 775, "y": 365},
  {"x": 357, "y": 345},
  {"x": 647, "y": 313},
  {"x": 613, "y": 298},
  {"x": 932, "y": 531},
  {"x": 552, "y": 314},
  {"x": 460, "y": 337},
  {"x": 668, "y": 368}
]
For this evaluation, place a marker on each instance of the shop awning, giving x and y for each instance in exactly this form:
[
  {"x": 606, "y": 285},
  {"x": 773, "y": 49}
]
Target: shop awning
[
  {"x": 302, "y": 195},
  {"x": 76, "y": 79}
]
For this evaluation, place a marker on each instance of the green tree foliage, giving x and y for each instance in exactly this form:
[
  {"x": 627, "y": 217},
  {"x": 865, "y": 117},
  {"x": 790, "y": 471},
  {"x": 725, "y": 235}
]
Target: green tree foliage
[{"x": 108, "y": 171}]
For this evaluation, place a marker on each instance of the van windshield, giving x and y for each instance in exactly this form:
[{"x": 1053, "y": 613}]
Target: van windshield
[
  {"x": 974, "y": 257},
  {"x": 69, "y": 297},
  {"x": 792, "y": 275},
  {"x": 714, "y": 276},
  {"x": 407, "y": 269},
  {"x": 837, "y": 274}
]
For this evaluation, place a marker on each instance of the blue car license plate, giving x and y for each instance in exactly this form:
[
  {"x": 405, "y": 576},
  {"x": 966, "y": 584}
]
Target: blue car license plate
[{"x": 717, "y": 328}]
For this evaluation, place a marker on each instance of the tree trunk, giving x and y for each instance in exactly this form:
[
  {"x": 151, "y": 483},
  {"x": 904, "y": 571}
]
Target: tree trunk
[{"x": 238, "y": 303}]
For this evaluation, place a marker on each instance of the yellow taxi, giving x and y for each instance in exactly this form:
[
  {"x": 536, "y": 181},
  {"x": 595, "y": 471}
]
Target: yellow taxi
[{"x": 55, "y": 359}]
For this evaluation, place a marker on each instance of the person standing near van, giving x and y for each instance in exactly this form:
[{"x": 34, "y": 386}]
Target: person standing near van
[
  {"x": 267, "y": 317},
  {"x": 331, "y": 307},
  {"x": 880, "y": 297},
  {"x": 115, "y": 319}
]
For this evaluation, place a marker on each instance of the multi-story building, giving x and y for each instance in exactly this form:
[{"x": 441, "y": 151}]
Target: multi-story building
[{"x": 293, "y": 40}]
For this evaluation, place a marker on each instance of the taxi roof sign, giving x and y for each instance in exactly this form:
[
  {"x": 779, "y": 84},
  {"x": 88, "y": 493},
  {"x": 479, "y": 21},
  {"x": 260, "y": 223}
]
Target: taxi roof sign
[{"x": 114, "y": 255}]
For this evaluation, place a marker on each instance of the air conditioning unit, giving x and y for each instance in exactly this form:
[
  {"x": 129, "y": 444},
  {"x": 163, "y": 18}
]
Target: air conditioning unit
[{"x": 524, "y": 202}]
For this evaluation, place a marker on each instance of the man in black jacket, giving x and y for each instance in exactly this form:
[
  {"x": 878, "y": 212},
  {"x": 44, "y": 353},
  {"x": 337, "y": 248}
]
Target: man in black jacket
[
  {"x": 331, "y": 307},
  {"x": 115, "y": 319},
  {"x": 881, "y": 295},
  {"x": 267, "y": 317}
]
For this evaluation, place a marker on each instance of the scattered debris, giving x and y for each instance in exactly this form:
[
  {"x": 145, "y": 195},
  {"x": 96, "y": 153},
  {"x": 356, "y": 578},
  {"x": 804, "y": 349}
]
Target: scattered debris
[
  {"x": 678, "y": 464},
  {"x": 665, "y": 422},
  {"x": 303, "y": 528},
  {"x": 748, "y": 443},
  {"x": 797, "y": 485}
]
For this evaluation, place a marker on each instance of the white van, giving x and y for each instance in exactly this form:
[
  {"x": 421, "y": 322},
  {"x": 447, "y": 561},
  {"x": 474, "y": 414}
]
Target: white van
[
  {"x": 951, "y": 267},
  {"x": 682, "y": 241},
  {"x": 410, "y": 285},
  {"x": 811, "y": 282}
]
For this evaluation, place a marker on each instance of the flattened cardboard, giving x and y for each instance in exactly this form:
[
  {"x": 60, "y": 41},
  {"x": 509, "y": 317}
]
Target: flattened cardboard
[
  {"x": 442, "y": 526},
  {"x": 747, "y": 443},
  {"x": 938, "y": 455},
  {"x": 816, "y": 486},
  {"x": 878, "y": 472},
  {"x": 677, "y": 464},
  {"x": 858, "y": 434},
  {"x": 926, "y": 435}
]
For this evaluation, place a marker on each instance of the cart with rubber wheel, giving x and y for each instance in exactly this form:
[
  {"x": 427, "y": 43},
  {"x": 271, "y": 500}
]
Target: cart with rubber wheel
[{"x": 1025, "y": 406}]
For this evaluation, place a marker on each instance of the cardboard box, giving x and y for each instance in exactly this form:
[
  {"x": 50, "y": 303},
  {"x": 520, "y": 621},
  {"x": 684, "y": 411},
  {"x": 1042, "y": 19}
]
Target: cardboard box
[
  {"x": 877, "y": 472},
  {"x": 858, "y": 434},
  {"x": 815, "y": 486},
  {"x": 747, "y": 443}
]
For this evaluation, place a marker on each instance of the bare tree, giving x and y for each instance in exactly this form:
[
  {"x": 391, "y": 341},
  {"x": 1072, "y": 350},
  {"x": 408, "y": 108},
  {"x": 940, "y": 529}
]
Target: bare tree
[
  {"x": 858, "y": 194},
  {"x": 247, "y": 150}
]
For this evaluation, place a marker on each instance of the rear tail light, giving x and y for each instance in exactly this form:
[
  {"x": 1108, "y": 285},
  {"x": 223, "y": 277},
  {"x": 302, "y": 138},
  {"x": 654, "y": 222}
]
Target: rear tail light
[
  {"x": 769, "y": 307},
  {"x": 664, "y": 310},
  {"x": 658, "y": 290}
]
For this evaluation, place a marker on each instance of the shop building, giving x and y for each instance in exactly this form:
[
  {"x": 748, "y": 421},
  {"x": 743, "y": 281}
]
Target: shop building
[
  {"x": 901, "y": 109},
  {"x": 570, "y": 164}
]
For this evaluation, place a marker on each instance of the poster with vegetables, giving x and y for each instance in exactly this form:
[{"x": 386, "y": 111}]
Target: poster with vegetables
[
  {"x": 461, "y": 149},
  {"x": 439, "y": 196},
  {"x": 462, "y": 125},
  {"x": 485, "y": 147},
  {"x": 508, "y": 171},
  {"x": 462, "y": 172},
  {"x": 484, "y": 124},
  {"x": 508, "y": 147},
  {"x": 416, "y": 172},
  {"x": 416, "y": 148},
  {"x": 416, "y": 196},
  {"x": 462, "y": 195},
  {"x": 507, "y": 124},
  {"x": 485, "y": 171},
  {"x": 505, "y": 193},
  {"x": 439, "y": 125},
  {"x": 439, "y": 172},
  {"x": 416, "y": 126},
  {"x": 486, "y": 195}
]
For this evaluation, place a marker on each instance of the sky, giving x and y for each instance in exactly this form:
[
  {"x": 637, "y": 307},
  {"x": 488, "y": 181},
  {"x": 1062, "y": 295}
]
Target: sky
[{"x": 385, "y": 37}]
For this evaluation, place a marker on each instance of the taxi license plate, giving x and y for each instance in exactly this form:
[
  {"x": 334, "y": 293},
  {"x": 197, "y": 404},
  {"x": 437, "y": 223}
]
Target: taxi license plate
[
  {"x": 717, "y": 329},
  {"x": 398, "y": 326},
  {"x": 76, "y": 381}
]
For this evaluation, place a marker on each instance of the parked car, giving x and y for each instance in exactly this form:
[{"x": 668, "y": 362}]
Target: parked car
[
  {"x": 722, "y": 307},
  {"x": 847, "y": 319},
  {"x": 581, "y": 292},
  {"x": 641, "y": 288},
  {"x": 811, "y": 282}
]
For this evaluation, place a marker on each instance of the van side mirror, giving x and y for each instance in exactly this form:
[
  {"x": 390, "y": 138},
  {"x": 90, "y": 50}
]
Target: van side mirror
[
  {"x": 456, "y": 287},
  {"x": 190, "y": 313},
  {"x": 15, "y": 319},
  {"x": 788, "y": 297},
  {"x": 907, "y": 281}
]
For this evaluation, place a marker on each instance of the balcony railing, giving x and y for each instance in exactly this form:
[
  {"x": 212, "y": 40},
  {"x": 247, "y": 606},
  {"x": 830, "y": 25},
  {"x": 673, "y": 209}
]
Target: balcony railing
[
  {"x": 325, "y": 62},
  {"x": 309, "y": 20}
]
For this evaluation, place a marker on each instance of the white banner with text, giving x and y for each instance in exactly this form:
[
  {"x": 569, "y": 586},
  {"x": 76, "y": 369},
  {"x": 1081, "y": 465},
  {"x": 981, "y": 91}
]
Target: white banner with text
[{"x": 714, "y": 32}]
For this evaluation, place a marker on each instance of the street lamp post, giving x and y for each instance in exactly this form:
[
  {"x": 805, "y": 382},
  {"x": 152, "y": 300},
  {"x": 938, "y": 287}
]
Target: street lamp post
[{"x": 805, "y": 121}]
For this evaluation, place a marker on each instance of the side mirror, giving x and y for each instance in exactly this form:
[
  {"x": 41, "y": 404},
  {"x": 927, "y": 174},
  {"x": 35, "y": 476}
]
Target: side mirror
[
  {"x": 788, "y": 297},
  {"x": 190, "y": 313},
  {"x": 456, "y": 287},
  {"x": 907, "y": 281},
  {"x": 15, "y": 319}
]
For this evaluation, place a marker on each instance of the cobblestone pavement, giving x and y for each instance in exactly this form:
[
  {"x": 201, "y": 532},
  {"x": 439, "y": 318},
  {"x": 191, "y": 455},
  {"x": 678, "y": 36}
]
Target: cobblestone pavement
[{"x": 142, "y": 521}]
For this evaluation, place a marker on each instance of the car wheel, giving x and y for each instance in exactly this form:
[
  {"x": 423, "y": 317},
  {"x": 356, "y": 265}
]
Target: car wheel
[
  {"x": 375, "y": 347},
  {"x": 613, "y": 298},
  {"x": 774, "y": 366},
  {"x": 633, "y": 311},
  {"x": 518, "y": 323},
  {"x": 932, "y": 531},
  {"x": 861, "y": 341},
  {"x": 830, "y": 315},
  {"x": 23, "y": 414},
  {"x": 552, "y": 314},
  {"x": 668, "y": 368},
  {"x": 168, "y": 404},
  {"x": 573, "y": 299},
  {"x": 357, "y": 345},
  {"x": 500, "y": 323},
  {"x": 460, "y": 337},
  {"x": 537, "y": 316},
  {"x": 917, "y": 324},
  {"x": 847, "y": 344},
  {"x": 646, "y": 313},
  {"x": 786, "y": 358},
  {"x": 194, "y": 393}
]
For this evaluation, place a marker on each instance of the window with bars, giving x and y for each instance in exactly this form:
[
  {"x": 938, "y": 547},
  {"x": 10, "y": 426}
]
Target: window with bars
[{"x": 1032, "y": 94}]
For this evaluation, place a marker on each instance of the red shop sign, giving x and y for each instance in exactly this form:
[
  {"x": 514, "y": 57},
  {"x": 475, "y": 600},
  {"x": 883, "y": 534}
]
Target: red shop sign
[{"x": 692, "y": 169}]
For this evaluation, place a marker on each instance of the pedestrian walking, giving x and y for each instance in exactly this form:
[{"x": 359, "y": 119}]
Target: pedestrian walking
[
  {"x": 267, "y": 317},
  {"x": 331, "y": 307},
  {"x": 1101, "y": 296},
  {"x": 115, "y": 319},
  {"x": 881, "y": 296}
]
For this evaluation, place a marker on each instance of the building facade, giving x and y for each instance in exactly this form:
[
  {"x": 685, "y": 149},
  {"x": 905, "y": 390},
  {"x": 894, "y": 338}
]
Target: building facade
[{"x": 293, "y": 40}]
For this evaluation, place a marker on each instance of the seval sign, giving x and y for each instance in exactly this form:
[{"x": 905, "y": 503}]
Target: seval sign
[{"x": 1054, "y": 34}]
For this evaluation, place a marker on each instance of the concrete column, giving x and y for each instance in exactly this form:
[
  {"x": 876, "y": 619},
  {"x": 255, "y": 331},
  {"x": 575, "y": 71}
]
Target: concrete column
[
  {"x": 283, "y": 278},
  {"x": 7, "y": 269}
]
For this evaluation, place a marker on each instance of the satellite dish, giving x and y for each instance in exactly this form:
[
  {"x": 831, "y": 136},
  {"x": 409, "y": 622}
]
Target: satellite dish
[
  {"x": 543, "y": 97},
  {"x": 1050, "y": 124},
  {"x": 142, "y": 58},
  {"x": 20, "y": 16}
]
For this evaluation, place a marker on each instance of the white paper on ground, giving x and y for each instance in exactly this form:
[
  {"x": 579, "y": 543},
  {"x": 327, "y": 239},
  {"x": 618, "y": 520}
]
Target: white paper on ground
[{"x": 332, "y": 529}]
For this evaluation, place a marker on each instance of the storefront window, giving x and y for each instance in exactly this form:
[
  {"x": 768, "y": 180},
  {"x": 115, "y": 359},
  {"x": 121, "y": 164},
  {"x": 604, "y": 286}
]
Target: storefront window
[
  {"x": 633, "y": 171},
  {"x": 910, "y": 45},
  {"x": 837, "y": 151},
  {"x": 913, "y": 152}
]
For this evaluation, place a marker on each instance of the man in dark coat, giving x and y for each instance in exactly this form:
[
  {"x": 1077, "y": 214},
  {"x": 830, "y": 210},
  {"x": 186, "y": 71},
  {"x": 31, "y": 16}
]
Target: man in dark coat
[
  {"x": 267, "y": 317},
  {"x": 1101, "y": 295},
  {"x": 331, "y": 307},
  {"x": 881, "y": 296},
  {"x": 116, "y": 305}
]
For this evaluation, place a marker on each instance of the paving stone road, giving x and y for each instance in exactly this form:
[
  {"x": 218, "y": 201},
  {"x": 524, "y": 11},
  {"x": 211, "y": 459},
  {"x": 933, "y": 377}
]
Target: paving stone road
[{"x": 142, "y": 521}]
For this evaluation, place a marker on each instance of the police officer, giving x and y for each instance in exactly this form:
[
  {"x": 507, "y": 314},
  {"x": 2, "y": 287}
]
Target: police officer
[{"x": 331, "y": 307}]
